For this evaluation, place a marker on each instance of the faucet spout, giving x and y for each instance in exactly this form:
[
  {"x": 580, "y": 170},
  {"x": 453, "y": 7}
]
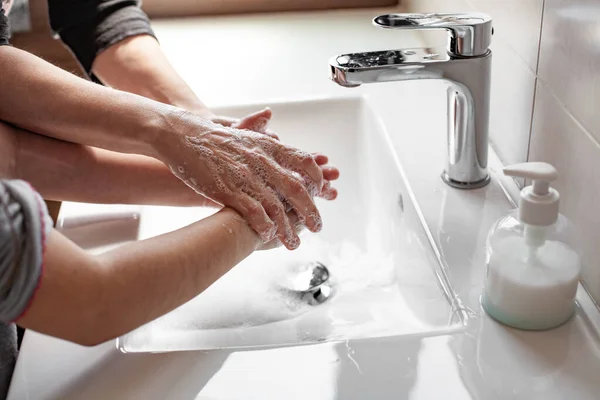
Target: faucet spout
[{"x": 468, "y": 90}]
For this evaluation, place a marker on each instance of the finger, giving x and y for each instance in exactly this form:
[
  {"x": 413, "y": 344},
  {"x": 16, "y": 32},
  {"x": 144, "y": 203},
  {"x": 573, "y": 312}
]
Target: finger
[
  {"x": 295, "y": 222},
  {"x": 320, "y": 159},
  {"x": 328, "y": 192},
  {"x": 256, "y": 122},
  {"x": 271, "y": 202},
  {"x": 304, "y": 163},
  {"x": 270, "y": 133},
  {"x": 256, "y": 216},
  {"x": 294, "y": 190},
  {"x": 225, "y": 121},
  {"x": 298, "y": 228},
  {"x": 330, "y": 173},
  {"x": 286, "y": 231}
]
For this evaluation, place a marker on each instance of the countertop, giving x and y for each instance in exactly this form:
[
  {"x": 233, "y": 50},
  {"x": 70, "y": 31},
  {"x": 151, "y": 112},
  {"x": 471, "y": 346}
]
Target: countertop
[{"x": 262, "y": 58}]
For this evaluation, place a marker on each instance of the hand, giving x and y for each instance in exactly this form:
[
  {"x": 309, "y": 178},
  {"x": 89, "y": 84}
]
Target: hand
[
  {"x": 250, "y": 172},
  {"x": 275, "y": 243},
  {"x": 258, "y": 122}
]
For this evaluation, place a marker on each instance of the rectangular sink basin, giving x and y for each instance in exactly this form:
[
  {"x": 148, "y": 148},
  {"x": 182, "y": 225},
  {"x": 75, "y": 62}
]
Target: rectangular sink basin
[{"x": 385, "y": 277}]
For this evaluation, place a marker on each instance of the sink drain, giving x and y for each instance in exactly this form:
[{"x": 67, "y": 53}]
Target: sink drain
[
  {"x": 320, "y": 295},
  {"x": 310, "y": 282}
]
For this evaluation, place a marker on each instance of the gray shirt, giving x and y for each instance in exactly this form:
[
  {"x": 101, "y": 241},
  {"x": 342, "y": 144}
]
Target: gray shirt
[
  {"x": 88, "y": 27},
  {"x": 24, "y": 225}
]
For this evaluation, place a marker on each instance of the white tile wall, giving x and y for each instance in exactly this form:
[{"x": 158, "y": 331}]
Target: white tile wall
[
  {"x": 566, "y": 129},
  {"x": 513, "y": 88},
  {"x": 570, "y": 57},
  {"x": 548, "y": 107},
  {"x": 517, "y": 24},
  {"x": 558, "y": 138}
]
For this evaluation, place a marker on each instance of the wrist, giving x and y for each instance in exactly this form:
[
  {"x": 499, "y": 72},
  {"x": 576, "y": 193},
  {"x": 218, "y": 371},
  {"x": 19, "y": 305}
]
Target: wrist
[
  {"x": 196, "y": 108},
  {"x": 238, "y": 226},
  {"x": 172, "y": 124}
]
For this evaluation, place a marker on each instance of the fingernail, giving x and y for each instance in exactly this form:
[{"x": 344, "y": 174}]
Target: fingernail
[
  {"x": 293, "y": 242},
  {"x": 330, "y": 195},
  {"x": 319, "y": 225}
]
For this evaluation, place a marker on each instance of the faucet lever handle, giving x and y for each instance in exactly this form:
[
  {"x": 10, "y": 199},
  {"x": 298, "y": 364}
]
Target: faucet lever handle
[{"x": 470, "y": 33}]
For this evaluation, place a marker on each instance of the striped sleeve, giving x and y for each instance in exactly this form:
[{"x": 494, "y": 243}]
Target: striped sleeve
[
  {"x": 24, "y": 224},
  {"x": 4, "y": 27}
]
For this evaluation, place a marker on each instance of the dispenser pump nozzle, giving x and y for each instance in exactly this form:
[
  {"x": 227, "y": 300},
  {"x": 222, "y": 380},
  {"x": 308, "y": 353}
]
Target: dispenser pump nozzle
[{"x": 538, "y": 204}]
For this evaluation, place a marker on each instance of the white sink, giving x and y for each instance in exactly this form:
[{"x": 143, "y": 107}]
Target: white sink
[{"x": 387, "y": 280}]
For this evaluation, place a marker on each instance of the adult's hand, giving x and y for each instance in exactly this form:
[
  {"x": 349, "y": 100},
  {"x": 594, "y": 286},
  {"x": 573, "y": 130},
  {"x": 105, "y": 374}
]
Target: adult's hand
[
  {"x": 249, "y": 171},
  {"x": 258, "y": 122}
]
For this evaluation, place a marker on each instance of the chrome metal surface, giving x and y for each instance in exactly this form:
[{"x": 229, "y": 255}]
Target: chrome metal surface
[
  {"x": 470, "y": 33},
  {"x": 466, "y": 65},
  {"x": 306, "y": 277},
  {"x": 320, "y": 295},
  {"x": 465, "y": 185},
  {"x": 309, "y": 282}
]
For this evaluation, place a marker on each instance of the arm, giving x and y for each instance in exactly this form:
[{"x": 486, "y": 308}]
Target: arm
[
  {"x": 67, "y": 171},
  {"x": 138, "y": 65},
  {"x": 47, "y": 100},
  {"x": 89, "y": 299},
  {"x": 200, "y": 153},
  {"x": 62, "y": 170},
  {"x": 113, "y": 40},
  {"x": 237, "y": 168},
  {"x": 244, "y": 170}
]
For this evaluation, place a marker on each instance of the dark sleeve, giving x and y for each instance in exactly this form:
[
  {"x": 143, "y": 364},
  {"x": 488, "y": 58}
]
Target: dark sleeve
[
  {"x": 88, "y": 27},
  {"x": 4, "y": 27}
]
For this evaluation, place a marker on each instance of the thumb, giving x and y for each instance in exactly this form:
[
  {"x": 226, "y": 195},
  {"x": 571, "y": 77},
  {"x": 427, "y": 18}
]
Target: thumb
[{"x": 256, "y": 122}]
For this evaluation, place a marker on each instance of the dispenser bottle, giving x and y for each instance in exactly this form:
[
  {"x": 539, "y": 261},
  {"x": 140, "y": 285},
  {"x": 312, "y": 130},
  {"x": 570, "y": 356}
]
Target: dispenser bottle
[{"x": 533, "y": 264}]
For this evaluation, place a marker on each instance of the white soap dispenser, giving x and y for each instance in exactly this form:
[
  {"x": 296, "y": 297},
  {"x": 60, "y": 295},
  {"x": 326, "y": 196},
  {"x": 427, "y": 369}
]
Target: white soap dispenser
[{"x": 533, "y": 264}]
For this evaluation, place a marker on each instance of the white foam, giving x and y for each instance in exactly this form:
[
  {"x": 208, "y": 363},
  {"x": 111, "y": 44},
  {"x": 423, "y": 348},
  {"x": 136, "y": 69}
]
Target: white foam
[{"x": 251, "y": 295}]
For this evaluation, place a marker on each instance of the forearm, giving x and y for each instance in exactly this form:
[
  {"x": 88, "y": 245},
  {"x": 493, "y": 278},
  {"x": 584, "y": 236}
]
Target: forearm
[
  {"x": 61, "y": 170},
  {"x": 47, "y": 100},
  {"x": 90, "y": 300},
  {"x": 138, "y": 65}
]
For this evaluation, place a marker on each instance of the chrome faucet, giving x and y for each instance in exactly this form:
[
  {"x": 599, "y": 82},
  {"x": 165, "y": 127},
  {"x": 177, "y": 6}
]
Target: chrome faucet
[{"x": 465, "y": 63}]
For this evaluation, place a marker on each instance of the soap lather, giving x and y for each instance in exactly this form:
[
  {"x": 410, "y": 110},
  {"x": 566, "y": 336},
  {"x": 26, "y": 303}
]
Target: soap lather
[{"x": 533, "y": 264}]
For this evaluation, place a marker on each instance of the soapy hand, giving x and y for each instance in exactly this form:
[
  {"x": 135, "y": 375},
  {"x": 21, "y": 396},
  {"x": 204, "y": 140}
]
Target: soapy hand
[
  {"x": 275, "y": 243},
  {"x": 258, "y": 122},
  {"x": 251, "y": 172}
]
